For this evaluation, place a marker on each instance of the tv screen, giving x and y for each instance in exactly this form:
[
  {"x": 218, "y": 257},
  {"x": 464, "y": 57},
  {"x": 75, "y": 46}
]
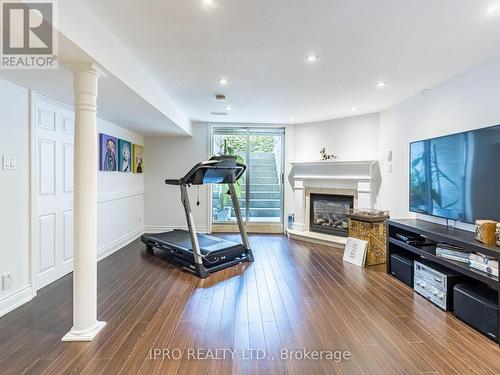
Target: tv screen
[{"x": 457, "y": 176}]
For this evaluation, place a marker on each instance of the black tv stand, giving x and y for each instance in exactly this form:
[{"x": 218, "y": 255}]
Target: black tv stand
[{"x": 435, "y": 233}]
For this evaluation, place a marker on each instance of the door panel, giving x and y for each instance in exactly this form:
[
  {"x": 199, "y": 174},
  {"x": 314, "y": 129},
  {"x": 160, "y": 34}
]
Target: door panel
[
  {"x": 54, "y": 191},
  {"x": 47, "y": 171},
  {"x": 261, "y": 189},
  {"x": 47, "y": 243},
  {"x": 68, "y": 235},
  {"x": 235, "y": 141},
  {"x": 68, "y": 168},
  {"x": 266, "y": 188},
  {"x": 46, "y": 118}
]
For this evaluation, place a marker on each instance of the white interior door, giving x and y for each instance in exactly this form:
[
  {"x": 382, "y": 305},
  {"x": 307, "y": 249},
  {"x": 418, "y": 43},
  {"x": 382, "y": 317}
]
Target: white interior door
[{"x": 54, "y": 129}]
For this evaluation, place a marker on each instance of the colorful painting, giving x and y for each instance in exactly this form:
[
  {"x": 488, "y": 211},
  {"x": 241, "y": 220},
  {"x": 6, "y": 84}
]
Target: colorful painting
[
  {"x": 124, "y": 156},
  {"x": 108, "y": 158},
  {"x": 138, "y": 158}
]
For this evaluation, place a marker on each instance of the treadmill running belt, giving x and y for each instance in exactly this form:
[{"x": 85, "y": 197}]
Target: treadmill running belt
[{"x": 181, "y": 238}]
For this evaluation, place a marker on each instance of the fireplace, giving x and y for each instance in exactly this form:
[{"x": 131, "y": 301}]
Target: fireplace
[{"x": 328, "y": 213}]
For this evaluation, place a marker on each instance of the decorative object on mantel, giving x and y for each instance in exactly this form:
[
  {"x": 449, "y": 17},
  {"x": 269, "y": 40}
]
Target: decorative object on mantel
[
  {"x": 355, "y": 251},
  {"x": 486, "y": 231},
  {"x": 369, "y": 225},
  {"x": 325, "y": 156}
]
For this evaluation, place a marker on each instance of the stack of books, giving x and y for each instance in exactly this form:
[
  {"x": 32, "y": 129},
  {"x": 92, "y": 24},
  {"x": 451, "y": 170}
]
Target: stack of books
[
  {"x": 484, "y": 263},
  {"x": 451, "y": 252}
]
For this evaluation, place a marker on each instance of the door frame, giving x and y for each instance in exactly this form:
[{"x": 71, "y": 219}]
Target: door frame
[
  {"x": 256, "y": 227},
  {"x": 33, "y": 96}
]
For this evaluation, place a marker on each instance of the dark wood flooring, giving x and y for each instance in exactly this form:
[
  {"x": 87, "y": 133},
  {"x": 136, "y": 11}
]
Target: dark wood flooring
[{"x": 295, "y": 296}]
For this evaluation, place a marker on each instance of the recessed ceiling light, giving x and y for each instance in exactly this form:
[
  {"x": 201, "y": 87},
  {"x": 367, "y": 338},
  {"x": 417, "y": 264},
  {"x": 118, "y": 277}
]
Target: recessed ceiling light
[
  {"x": 291, "y": 119},
  {"x": 493, "y": 8},
  {"x": 227, "y": 107},
  {"x": 222, "y": 81},
  {"x": 312, "y": 58},
  {"x": 424, "y": 91},
  {"x": 381, "y": 84},
  {"x": 353, "y": 108},
  {"x": 208, "y": 3},
  {"x": 220, "y": 98}
]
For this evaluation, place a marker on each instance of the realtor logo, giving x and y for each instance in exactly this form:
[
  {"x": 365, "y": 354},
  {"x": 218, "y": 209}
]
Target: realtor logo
[{"x": 28, "y": 35}]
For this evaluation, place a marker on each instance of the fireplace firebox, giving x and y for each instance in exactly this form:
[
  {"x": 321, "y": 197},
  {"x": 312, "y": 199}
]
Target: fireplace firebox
[{"x": 328, "y": 213}]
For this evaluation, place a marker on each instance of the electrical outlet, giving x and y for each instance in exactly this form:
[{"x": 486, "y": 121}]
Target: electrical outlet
[
  {"x": 9, "y": 162},
  {"x": 390, "y": 168},
  {"x": 5, "y": 162},
  {"x": 6, "y": 281}
]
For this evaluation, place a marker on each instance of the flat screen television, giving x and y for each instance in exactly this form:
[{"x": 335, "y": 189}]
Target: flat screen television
[{"x": 457, "y": 176}]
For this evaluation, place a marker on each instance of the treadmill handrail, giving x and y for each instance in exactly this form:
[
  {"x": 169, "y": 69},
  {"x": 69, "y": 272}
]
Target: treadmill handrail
[
  {"x": 211, "y": 164},
  {"x": 173, "y": 181}
]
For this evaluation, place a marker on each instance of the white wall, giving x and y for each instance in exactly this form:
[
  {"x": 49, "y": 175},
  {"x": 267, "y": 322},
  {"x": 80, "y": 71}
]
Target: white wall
[
  {"x": 465, "y": 102},
  {"x": 14, "y": 194},
  {"x": 120, "y": 197},
  {"x": 173, "y": 157},
  {"x": 352, "y": 138}
]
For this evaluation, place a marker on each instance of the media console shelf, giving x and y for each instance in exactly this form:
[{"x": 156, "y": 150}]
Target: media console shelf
[{"x": 434, "y": 234}]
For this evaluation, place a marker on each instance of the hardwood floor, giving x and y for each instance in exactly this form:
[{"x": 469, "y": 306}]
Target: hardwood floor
[{"x": 295, "y": 296}]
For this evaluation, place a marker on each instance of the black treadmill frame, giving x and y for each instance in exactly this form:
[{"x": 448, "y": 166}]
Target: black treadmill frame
[{"x": 196, "y": 176}]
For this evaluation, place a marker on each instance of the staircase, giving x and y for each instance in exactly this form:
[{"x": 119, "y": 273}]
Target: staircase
[{"x": 265, "y": 194}]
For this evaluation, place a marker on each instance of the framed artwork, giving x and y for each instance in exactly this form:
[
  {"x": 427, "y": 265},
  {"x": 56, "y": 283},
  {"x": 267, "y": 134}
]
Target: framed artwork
[
  {"x": 124, "y": 156},
  {"x": 108, "y": 158},
  {"x": 138, "y": 158},
  {"x": 355, "y": 251}
]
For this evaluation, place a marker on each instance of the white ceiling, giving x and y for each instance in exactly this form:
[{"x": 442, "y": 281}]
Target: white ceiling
[
  {"x": 261, "y": 45},
  {"x": 116, "y": 101}
]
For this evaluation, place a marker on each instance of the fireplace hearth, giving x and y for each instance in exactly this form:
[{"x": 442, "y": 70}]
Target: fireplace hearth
[{"x": 328, "y": 213}]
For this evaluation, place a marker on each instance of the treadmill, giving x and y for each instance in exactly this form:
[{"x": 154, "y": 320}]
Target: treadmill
[{"x": 202, "y": 254}]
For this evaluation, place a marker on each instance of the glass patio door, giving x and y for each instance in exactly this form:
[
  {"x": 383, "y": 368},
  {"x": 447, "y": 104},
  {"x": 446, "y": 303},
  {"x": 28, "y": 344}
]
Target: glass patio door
[{"x": 260, "y": 190}]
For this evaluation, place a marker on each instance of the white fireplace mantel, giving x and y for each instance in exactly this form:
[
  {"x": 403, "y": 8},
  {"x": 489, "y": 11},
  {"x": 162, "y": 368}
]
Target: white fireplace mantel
[{"x": 357, "y": 178}]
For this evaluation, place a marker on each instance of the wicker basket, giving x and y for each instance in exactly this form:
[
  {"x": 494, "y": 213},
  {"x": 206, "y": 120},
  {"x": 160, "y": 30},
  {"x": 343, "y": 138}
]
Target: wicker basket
[
  {"x": 375, "y": 234},
  {"x": 485, "y": 231}
]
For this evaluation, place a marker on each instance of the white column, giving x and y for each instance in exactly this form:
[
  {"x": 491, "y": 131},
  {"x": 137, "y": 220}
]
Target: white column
[
  {"x": 365, "y": 199},
  {"x": 299, "y": 192},
  {"x": 85, "y": 324}
]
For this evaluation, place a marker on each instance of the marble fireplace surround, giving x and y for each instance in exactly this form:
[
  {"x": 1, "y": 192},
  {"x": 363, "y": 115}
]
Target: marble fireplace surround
[{"x": 355, "y": 178}]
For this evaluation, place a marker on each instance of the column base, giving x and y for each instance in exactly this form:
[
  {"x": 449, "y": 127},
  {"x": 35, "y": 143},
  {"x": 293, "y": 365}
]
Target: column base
[{"x": 87, "y": 335}]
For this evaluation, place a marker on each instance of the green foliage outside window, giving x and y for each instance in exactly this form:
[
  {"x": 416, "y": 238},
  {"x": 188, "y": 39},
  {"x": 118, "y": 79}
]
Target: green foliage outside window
[{"x": 258, "y": 143}]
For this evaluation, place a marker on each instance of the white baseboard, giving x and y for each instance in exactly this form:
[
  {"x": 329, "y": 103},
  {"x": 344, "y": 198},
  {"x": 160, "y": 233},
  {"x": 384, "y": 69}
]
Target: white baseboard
[
  {"x": 16, "y": 299},
  {"x": 118, "y": 244},
  {"x": 26, "y": 294},
  {"x": 160, "y": 228}
]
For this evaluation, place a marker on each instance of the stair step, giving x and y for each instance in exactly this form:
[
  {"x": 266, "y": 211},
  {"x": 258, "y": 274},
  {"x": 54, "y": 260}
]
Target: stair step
[
  {"x": 262, "y": 203},
  {"x": 264, "y": 187},
  {"x": 265, "y": 195},
  {"x": 263, "y": 167},
  {"x": 255, "y": 195},
  {"x": 264, "y": 173},
  {"x": 262, "y": 161},
  {"x": 260, "y": 212},
  {"x": 264, "y": 180},
  {"x": 262, "y": 155}
]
